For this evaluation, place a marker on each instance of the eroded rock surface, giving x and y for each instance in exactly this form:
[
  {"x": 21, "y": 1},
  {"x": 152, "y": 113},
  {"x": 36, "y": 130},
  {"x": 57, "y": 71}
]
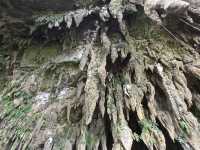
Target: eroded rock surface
[{"x": 99, "y": 75}]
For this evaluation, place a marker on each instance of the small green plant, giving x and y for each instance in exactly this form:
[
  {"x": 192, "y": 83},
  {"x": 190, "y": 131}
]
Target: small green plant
[
  {"x": 10, "y": 111},
  {"x": 184, "y": 127},
  {"x": 147, "y": 126},
  {"x": 17, "y": 118},
  {"x": 136, "y": 137},
  {"x": 20, "y": 112},
  {"x": 23, "y": 94},
  {"x": 6, "y": 98},
  {"x": 181, "y": 139},
  {"x": 20, "y": 131},
  {"x": 7, "y": 104},
  {"x": 184, "y": 131},
  {"x": 90, "y": 141}
]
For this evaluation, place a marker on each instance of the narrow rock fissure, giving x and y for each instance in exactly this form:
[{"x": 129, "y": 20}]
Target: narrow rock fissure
[
  {"x": 170, "y": 145},
  {"x": 119, "y": 64},
  {"x": 133, "y": 122},
  {"x": 10, "y": 143},
  {"x": 108, "y": 131},
  {"x": 195, "y": 111},
  {"x": 74, "y": 146},
  {"x": 193, "y": 84},
  {"x": 138, "y": 146},
  {"x": 160, "y": 97},
  {"x": 107, "y": 123},
  {"x": 145, "y": 103}
]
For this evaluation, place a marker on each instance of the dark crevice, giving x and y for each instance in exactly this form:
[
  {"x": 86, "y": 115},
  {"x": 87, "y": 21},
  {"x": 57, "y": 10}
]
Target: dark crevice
[
  {"x": 108, "y": 131},
  {"x": 170, "y": 145},
  {"x": 145, "y": 103},
  {"x": 132, "y": 75},
  {"x": 160, "y": 97},
  {"x": 108, "y": 63},
  {"x": 41, "y": 146},
  {"x": 126, "y": 60},
  {"x": 114, "y": 28},
  {"x": 10, "y": 143},
  {"x": 195, "y": 111},
  {"x": 100, "y": 146},
  {"x": 96, "y": 114},
  {"x": 74, "y": 146},
  {"x": 133, "y": 123},
  {"x": 193, "y": 82},
  {"x": 89, "y": 22},
  {"x": 76, "y": 114},
  {"x": 129, "y": 17},
  {"x": 107, "y": 1},
  {"x": 119, "y": 64},
  {"x": 139, "y": 146},
  {"x": 107, "y": 122},
  {"x": 1, "y": 39},
  {"x": 145, "y": 106}
]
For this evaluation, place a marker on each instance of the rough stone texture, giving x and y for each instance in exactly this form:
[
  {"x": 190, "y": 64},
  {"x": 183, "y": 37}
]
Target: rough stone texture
[{"x": 99, "y": 75}]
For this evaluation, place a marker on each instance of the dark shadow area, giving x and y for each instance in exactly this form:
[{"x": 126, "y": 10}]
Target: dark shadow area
[
  {"x": 108, "y": 129},
  {"x": 119, "y": 64},
  {"x": 170, "y": 145},
  {"x": 193, "y": 84},
  {"x": 133, "y": 123},
  {"x": 139, "y": 146},
  {"x": 195, "y": 111}
]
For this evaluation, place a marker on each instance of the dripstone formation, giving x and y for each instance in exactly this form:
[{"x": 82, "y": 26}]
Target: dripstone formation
[{"x": 99, "y": 75}]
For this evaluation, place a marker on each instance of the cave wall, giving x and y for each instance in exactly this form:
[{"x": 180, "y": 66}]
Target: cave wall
[{"x": 99, "y": 76}]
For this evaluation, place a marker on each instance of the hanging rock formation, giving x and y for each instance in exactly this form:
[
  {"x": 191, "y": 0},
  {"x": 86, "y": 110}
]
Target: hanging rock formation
[{"x": 99, "y": 75}]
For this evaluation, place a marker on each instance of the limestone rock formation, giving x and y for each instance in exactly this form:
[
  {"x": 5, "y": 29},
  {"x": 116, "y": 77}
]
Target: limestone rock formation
[{"x": 99, "y": 75}]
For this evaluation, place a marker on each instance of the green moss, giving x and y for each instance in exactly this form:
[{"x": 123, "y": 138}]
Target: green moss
[
  {"x": 147, "y": 126},
  {"x": 90, "y": 141},
  {"x": 145, "y": 34},
  {"x": 26, "y": 96},
  {"x": 10, "y": 111},
  {"x": 17, "y": 117},
  {"x": 184, "y": 127},
  {"x": 185, "y": 131},
  {"x": 35, "y": 55}
]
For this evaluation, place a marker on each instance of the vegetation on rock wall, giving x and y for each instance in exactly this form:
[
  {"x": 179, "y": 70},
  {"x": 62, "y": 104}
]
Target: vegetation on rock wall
[{"x": 97, "y": 75}]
